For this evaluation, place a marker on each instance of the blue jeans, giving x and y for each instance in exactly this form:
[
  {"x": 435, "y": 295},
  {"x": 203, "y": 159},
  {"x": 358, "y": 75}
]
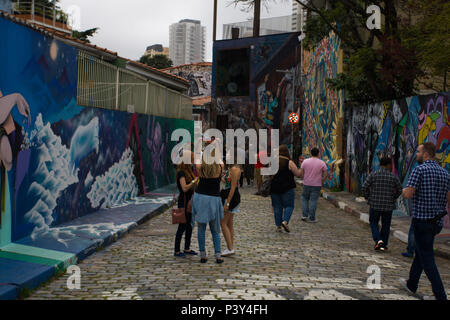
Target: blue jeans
[
  {"x": 283, "y": 206},
  {"x": 411, "y": 246},
  {"x": 386, "y": 219},
  {"x": 424, "y": 233},
  {"x": 215, "y": 236},
  {"x": 310, "y": 196}
]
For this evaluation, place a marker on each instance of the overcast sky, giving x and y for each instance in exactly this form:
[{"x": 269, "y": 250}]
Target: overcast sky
[{"x": 128, "y": 27}]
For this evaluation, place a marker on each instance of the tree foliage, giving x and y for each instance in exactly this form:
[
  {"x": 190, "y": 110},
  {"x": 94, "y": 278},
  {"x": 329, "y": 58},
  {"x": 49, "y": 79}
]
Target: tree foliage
[
  {"x": 84, "y": 35},
  {"x": 158, "y": 61},
  {"x": 410, "y": 48}
]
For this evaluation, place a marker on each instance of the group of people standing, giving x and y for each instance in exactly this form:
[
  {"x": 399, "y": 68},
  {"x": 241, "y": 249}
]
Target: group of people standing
[
  {"x": 210, "y": 205},
  {"x": 216, "y": 208},
  {"x": 428, "y": 187}
]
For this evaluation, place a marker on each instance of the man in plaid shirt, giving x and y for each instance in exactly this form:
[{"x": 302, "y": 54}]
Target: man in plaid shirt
[
  {"x": 381, "y": 189},
  {"x": 429, "y": 188}
]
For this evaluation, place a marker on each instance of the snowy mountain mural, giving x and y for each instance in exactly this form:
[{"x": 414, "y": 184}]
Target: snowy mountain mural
[{"x": 65, "y": 161}]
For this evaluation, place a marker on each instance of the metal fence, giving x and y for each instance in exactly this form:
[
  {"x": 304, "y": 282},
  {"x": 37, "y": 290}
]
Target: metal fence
[{"x": 103, "y": 85}]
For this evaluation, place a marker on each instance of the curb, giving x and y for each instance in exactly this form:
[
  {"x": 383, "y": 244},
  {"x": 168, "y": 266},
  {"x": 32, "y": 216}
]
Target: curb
[
  {"x": 364, "y": 217},
  {"x": 13, "y": 293}
]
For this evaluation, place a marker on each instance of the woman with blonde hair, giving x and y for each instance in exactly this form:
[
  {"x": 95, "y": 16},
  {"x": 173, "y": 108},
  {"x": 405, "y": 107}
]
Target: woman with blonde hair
[
  {"x": 207, "y": 206},
  {"x": 186, "y": 183}
]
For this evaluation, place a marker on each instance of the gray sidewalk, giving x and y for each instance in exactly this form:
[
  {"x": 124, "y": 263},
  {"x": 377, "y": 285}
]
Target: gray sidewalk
[{"x": 399, "y": 227}]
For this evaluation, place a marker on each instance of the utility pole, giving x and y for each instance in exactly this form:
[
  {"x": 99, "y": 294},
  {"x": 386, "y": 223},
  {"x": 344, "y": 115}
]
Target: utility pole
[
  {"x": 215, "y": 21},
  {"x": 256, "y": 17}
]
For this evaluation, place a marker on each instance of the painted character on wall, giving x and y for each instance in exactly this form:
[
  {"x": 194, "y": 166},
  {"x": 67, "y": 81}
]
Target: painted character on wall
[
  {"x": 9, "y": 128},
  {"x": 269, "y": 102}
]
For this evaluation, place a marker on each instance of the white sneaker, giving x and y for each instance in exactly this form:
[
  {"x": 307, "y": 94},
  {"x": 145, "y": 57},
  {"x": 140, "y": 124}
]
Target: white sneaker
[{"x": 227, "y": 253}]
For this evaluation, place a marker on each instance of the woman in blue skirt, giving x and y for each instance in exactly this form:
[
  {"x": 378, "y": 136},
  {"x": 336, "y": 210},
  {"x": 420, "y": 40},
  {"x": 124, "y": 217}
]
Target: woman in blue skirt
[{"x": 207, "y": 206}]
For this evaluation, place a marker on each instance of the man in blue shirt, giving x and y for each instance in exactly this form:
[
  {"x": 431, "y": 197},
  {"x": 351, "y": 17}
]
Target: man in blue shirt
[{"x": 429, "y": 188}]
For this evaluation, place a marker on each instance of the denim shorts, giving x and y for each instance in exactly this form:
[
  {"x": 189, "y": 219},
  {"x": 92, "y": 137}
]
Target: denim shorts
[{"x": 236, "y": 209}]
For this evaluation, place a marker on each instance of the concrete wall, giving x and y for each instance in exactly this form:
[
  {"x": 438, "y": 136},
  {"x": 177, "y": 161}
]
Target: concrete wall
[{"x": 61, "y": 161}]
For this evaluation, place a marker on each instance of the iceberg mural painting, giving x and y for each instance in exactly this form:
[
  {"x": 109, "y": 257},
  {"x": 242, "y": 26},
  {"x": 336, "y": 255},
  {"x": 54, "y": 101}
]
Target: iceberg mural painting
[{"x": 63, "y": 161}]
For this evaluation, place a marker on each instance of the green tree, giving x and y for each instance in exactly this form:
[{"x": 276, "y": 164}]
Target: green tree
[
  {"x": 158, "y": 61},
  {"x": 388, "y": 63},
  {"x": 84, "y": 35}
]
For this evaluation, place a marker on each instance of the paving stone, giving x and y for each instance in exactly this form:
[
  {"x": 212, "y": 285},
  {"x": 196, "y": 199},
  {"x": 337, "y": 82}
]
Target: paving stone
[{"x": 327, "y": 260}]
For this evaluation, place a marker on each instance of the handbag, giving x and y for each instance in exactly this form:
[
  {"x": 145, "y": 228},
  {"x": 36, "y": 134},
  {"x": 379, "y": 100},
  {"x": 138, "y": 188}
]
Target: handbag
[{"x": 179, "y": 214}]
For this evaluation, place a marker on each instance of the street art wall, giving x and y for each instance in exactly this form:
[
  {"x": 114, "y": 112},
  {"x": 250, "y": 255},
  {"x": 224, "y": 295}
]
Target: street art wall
[
  {"x": 396, "y": 128},
  {"x": 267, "y": 66},
  {"x": 198, "y": 75},
  {"x": 323, "y": 109},
  {"x": 60, "y": 161}
]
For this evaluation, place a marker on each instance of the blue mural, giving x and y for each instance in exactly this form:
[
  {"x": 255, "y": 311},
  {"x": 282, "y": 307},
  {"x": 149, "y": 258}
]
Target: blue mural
[{"x": 61, "y": 161}]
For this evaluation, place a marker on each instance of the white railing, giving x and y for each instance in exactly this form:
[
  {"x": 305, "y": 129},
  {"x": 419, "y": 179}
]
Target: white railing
[
  {"x": 45, "y": 15},
  {"x": 103, "y": 85}
]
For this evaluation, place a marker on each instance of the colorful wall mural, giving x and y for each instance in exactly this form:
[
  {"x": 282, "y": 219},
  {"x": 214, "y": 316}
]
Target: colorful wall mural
[
  {"x": 60, "y": 161},
  {"x": 274, "y": 64},
  {"x": 323, "y": 108},
  {"x": 396, "y": 128}
]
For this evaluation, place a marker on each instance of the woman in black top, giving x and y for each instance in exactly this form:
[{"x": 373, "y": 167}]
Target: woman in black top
[
  {"x": 186, "y": 183},
  {"x": 282, "y": 189}
]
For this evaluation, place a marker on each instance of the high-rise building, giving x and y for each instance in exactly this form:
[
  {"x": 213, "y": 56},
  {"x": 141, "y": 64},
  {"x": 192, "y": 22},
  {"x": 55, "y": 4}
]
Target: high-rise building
[
  {"x": 6, "y": 5},
  {"x": 187, "y": 42},
  {"x": 298, "y": 17},
  {"x": 267, "y": 26},
  {"x": 157, "y": 49}
]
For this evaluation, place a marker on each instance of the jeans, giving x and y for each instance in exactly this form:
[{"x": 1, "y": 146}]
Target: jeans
[
  {"x": 182, "y": 227},
  {"x": 411, "y": 245},
  {"x": 424, "y": 233},
  {"x": 215, "y": 236},
  {"x": 310, "y": 196},
  {"x": 374, "y": 219},
  {"x": 283, "y": 206}
]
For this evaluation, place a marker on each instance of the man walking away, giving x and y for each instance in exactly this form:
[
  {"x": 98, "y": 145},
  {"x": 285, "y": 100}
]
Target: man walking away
[
  {"x": 314, "y": 172},
  {"x": 429, "y": 188},
  {"x": 381, "y": 189}
]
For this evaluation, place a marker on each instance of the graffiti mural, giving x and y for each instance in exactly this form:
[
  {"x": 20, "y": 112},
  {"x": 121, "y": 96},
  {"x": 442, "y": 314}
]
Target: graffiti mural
[
  {"x": 274, "y": 65},
  {"x": 198, "y": 75},
  {"x": 396, "y": 128},
  {"x": 323, "y": 107},
  {"x": 60, "y": 161}
]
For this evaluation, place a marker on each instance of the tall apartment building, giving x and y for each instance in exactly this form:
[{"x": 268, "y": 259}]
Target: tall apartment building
[
  {"x": 187, "y": 42},
  {"x": 6, "y": 5},
  {"x": 298, "y": 17},
  {"x": 268, "y": 26}
]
